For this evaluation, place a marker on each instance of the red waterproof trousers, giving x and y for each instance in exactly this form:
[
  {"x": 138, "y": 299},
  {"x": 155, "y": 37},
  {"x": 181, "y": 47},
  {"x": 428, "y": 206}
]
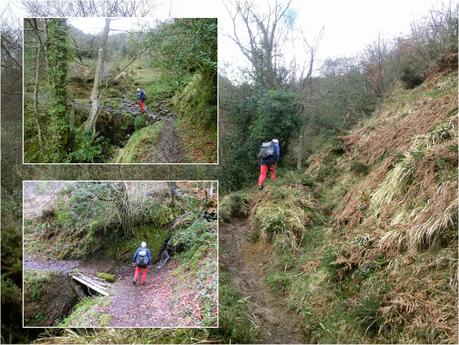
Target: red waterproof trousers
[
  {"x": 142, "y": 106},
  {"x": 264, "y": 171},
  {"x": 144, "y": 273}
]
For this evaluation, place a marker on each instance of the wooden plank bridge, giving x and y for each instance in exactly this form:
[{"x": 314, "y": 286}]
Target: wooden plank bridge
[{"x": 96, "y": 284}]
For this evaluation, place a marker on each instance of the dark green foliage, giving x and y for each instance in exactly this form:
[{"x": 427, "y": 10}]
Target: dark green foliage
[
  {"x": 59, "y": 52},
  {"x": 275, "y": 117},
  {"x": 200, "y": 233},
  {"x": 188, "y": 47},
  {"x": 256, "y": 116},
  {"x": 88, "y": 150},
  {"x": 139, "y": 122},
  {"x": 186, "y": 44},
  {"x": 158, "y": 213},
  {"x": 411, "y": 74}
]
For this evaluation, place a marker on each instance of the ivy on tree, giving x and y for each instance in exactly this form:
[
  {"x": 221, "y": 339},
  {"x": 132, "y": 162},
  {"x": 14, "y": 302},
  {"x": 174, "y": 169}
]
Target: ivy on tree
[{"x": 59, "y": 52}]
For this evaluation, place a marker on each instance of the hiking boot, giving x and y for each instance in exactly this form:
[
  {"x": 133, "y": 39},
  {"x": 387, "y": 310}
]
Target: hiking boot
[
  {"x": 133, "y": 282},
  {"x": 261, "y": 187}
]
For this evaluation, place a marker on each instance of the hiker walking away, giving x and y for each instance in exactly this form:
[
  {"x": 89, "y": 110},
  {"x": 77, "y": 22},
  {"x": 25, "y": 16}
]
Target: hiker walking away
[
  {"x": 141, "y": 97},
  {"x": 269, "y": 156},
  {"x": 141, "y": 261}
]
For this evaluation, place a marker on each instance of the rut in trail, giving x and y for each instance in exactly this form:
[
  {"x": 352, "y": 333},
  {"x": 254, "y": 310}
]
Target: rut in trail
[
  {"x": 170, "y": 148},
  {"x": 247, "y": 263}
]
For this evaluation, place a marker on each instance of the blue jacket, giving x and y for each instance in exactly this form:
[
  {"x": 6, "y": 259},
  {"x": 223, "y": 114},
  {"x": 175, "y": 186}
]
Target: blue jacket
[
  {"x": 275, "y": 158},
  {"x": 141, "y": 95},
  {"x": 137, "y": 253}
]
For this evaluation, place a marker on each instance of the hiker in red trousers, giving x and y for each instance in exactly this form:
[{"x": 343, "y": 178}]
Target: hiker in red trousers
[
  {"x": 269, "y": 156},
  {"x": 141, "y": 97},
  {"x": 141, "y": 260}
]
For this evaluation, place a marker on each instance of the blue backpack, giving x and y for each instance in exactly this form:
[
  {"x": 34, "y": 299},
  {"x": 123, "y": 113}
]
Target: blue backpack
[
  {"x": 142, "y": 258},
  {"x": 267, "y": 150}
]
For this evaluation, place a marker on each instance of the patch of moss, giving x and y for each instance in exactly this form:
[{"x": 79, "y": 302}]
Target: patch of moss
[
  {"x": 109, "y": 277},
  {"x": 153, "y": 235},
  {"x": 86, "y": 313},
  {"x": 141, "y": 146}
]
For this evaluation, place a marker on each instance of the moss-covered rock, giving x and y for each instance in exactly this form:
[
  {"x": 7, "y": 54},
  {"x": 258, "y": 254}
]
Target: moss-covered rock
[{"x": 109, "y": 277}]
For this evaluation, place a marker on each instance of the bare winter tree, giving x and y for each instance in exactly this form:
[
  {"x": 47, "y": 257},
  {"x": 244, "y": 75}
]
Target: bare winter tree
[
  {"x": 303, "y": 82},
  {"x": 89, "y": 8},
  {"x": 40, "y": 49},
  {"x": 90, "y": 125},
  {"x": 265, "y": 32}
]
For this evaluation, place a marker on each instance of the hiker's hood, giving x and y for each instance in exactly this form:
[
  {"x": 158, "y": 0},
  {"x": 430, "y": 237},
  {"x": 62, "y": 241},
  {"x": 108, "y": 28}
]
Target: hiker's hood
[
  {"x": 275, "y": 141},
  {"x": 143, "y": 244},
  {"x": 138, "y": 90}
]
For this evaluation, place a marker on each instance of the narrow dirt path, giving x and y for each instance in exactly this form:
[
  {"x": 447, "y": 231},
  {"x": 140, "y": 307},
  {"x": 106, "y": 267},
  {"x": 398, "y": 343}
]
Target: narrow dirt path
[
  {"x": 247, "y": 263},
  {"x": 170, "y": 148},
  {"x": 148, "y": 305}
]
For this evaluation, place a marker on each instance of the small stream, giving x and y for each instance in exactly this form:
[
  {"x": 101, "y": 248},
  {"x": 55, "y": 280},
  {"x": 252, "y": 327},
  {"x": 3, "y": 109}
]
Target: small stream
[{"x": 62, "y": 266}]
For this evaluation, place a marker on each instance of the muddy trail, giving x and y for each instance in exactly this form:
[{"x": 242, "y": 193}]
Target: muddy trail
[
  {"x": 170, "y": 148},
  {"x": 247, "y": 263}
]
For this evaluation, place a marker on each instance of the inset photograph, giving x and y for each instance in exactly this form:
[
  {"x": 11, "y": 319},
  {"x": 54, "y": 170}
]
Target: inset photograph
[
  {"x": 120, "y": 254},
  {"x": 120, "y": 90}
]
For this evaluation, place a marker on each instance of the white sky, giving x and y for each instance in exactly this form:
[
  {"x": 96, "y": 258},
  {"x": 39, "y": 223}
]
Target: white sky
[{"x": 350, "y": 25}]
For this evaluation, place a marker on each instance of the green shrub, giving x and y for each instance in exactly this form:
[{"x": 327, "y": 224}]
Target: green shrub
[
  {"x": 159, "y": 214},
  {"x": 139, "y": 122},
  {"x": 411, "y": 76},
  {"x": 197, "y": 102},
  {"x": 88, "y": 150}
]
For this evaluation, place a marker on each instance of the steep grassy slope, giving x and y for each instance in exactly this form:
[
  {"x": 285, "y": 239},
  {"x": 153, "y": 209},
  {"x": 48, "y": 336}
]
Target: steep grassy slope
[
  {"x": 393, "y": 243},
  {"x": 365, "y": 240}
]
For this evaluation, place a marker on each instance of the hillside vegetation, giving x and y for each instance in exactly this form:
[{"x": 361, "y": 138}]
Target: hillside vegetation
[
  {"x": 80, "y": 96},
  {"x": 364, "y": 241},
  {"x": 94, "y": 228}
]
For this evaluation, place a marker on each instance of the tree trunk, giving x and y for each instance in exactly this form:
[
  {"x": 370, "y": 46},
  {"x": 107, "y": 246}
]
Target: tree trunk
[
  {"x": 299, "y": 158},
  {"x": 58, "y": 52},
  {"x": 35, "y": 96},
  {"x": 90, "y": 125},
  {"x": 173, "y": 192},
  {"x": 299, "y": 162}
]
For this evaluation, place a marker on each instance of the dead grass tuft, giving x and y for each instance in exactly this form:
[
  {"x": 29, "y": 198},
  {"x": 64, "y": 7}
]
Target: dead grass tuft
[{"x": 282, "y": 213}]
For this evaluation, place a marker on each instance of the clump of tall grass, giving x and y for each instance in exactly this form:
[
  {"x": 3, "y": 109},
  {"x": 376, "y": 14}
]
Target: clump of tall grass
[
  {"x": 401, "y": 176},
  {"x": 234, "y": 205},
  {"x": 281, "y": 215},
  {"x": 425, "y": 225}
]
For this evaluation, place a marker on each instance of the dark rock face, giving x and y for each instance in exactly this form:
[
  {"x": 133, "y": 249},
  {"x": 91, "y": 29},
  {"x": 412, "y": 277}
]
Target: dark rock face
[{"x": 48, "y": 297}]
